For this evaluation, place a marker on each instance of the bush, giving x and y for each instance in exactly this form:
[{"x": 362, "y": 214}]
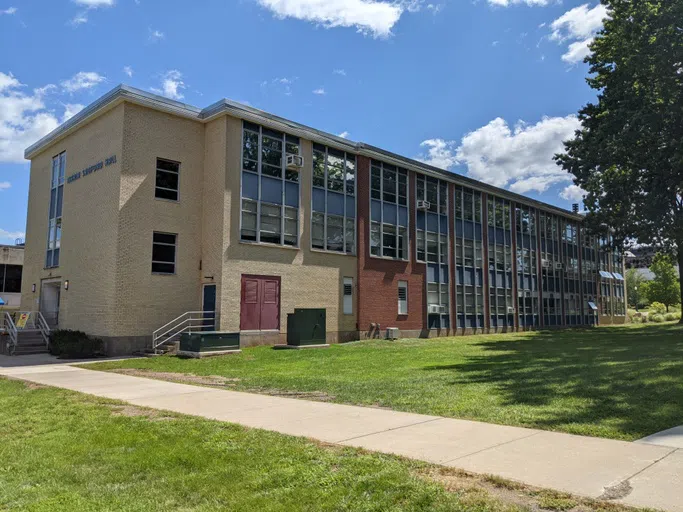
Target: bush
[
  {"x": 68, "y": 344},
  {"x": 657, "y": 318},
  {"x": 658, "y": 308},
  {"x": 670, "y": 317}
]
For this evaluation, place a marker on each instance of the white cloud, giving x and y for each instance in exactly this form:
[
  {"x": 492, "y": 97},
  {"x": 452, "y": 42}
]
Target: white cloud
[
  {"x": 340, "y": 72},
  {"x": 440, "y": 153},
  {"x": 171, "y": 85},
  {"x": 71, "y": 109},
  {"x": 508, "y": 3},
  {"x": 4, "y": 185},
  {"x": 79, "y": 19},
  {"x": 319, "y": 91},
  {"x": 11, "y": 235},
  {"x": 94, "y": 4},
  {"x": 82, "y": 80},
  {"x": 579, "y": 26},
  {"x": 156, "y": 35},
  {"x": 128, "y": 70},
  {"x": 344, "y": 135},
  {"x": 573, "y": 193},
  {"x": 520, "y": 158},
  {"x": 23, "y": 118},
  {"x": 9, "y": 11},
  {"x": 368, "y": 16}
]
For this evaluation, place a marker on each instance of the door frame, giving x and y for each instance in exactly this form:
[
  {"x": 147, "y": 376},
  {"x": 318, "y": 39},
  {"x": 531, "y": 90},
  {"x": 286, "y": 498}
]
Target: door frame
[
  {"x": 215, "y": 317},
  {"x": 279, "y": 301},
  {"x": 50, "y": 281}
]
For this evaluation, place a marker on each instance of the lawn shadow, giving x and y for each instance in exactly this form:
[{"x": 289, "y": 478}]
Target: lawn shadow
[{"x": 628, "y": 378}]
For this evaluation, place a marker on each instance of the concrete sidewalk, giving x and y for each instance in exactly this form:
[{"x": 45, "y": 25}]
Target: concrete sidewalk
[{"x": 640, "y": 474}]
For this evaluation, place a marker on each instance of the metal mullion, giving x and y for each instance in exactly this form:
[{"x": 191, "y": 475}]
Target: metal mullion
[
  {"x": 283, "y": 165},
  {"x": 258, "y": 202},
  {"x": 381, "y": 208}
]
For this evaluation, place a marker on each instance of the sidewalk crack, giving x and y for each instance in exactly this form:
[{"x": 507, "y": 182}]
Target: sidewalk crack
[
  {"x": 388, "y": 430},
  {"x": 490, "y": 448}
]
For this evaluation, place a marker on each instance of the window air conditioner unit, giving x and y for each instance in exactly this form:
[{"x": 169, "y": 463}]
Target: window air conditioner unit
[
  {"x": 295, "y": 162},
  {"x": 558, "y": 266},
  {"x": 423, "y": 205},
  {"x": 392, "y": 333},
  {"x": 545, "y": 263},
  {"x": 435, "y": 309},
  {"x": 511, "y": 310}
]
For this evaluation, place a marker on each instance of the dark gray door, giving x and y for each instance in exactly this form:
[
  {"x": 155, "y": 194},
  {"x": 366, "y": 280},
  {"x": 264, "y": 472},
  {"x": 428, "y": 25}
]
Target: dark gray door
[{"x": 209, "y": 307}]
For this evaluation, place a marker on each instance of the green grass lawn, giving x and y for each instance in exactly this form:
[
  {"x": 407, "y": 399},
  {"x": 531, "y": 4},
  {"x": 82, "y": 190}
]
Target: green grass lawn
[
  {"x": 63, "y": 451},
  {"x": 621, "y": 382}
]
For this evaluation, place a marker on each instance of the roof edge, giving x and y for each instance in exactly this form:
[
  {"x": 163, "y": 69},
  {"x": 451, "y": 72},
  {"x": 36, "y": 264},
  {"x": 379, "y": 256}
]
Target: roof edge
[{"x": 123, "y": 92}]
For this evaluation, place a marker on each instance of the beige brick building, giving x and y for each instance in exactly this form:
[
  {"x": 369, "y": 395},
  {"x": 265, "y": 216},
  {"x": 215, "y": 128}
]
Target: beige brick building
[{"x": 142, "y": 209}]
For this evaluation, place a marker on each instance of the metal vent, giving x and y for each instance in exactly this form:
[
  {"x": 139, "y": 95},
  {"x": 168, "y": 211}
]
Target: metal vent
[{"x": 348, "y": 289}]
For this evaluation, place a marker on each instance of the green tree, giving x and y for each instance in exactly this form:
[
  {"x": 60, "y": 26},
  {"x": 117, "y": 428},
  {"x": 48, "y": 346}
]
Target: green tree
[
  {"x": 628, "y": 153},
  {"x": 664, "y": 287},
  {"x": 636, "y": 288}
]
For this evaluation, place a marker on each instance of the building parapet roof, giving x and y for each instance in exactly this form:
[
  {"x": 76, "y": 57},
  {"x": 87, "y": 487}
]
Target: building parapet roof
[{"x": 123, "y": 93}]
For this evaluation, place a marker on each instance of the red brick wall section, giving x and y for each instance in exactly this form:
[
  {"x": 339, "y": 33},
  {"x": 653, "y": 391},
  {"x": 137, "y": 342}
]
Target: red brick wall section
[{"x": 378, "y": 278}]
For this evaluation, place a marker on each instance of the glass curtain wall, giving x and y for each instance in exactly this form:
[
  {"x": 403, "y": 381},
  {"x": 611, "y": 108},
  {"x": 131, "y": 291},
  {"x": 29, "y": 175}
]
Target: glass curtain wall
[
  {"x": 527, "y": 279},
  {"x": 572, "y": 283},
  {"x": 551, "y": 269},
  {"x": 589, "y": 276},
  {"x": 431, "y": 224},
  {"x": 500, "y": 263},
  {"x": 388, "y": 211},
  {"x": 468, "y": 258}
]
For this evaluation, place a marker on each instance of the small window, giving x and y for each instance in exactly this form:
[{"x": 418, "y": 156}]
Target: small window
[
  {"x": 167, "y": 180},
  {"x": 402, "y": 297},
  {"x": 348, "y": 296},
  {"x": 164, "y": 253}
]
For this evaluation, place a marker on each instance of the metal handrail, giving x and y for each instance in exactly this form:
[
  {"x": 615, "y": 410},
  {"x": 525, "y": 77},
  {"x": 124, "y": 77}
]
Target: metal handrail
[
  {"x": 44, "y": 328},
  {"x": 181, "y": 324},
  {"x": 12, "y": 330}
]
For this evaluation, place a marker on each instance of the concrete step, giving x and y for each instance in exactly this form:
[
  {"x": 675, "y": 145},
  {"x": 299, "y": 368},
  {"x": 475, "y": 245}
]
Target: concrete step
[{"x": 24, "y": 351}]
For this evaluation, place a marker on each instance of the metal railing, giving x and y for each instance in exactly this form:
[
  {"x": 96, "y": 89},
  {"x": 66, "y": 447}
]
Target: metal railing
[
  {"x": 35, "y": 321},
  {"x": 191, "y": 321},
  {"x": 12, "y": 331}
]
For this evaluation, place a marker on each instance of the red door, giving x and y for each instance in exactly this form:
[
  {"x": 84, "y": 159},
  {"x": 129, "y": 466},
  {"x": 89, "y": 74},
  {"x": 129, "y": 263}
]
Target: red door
[{"x": 260, "y": 303}]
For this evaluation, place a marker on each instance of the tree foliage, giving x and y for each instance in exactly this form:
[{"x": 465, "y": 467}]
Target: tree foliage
[
  {"x": 628, "y": 153},
  {"x": 636, "y": 288},
  {"x": 665, "y": 286}
]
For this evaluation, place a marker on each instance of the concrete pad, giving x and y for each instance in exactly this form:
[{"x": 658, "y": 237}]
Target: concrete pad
[
  {"x": 575, "y": 464},
  {"x": 659, "y": 486},
  {"x": 441, "y": 440},
  {"x": 672, "y": 437}
]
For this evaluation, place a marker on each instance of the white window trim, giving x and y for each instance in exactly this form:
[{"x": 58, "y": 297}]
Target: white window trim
[
  {"x": 404, "y": 285},
  {"x": 156, "y": 170},
  {"x": 175, "y": 253}
]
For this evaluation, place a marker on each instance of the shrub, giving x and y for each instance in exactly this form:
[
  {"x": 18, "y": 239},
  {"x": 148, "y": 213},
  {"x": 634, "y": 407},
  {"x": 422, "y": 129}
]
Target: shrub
[
  {"x": 658, "y": 308},
  {"x": 68, "y": 344},
  {"x": 657, "y": 318},
  {"x": 670, "y": 317}
]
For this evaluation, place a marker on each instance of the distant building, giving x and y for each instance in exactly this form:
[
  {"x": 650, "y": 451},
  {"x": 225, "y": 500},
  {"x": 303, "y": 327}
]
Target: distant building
[{"x": 11, "y": 268}]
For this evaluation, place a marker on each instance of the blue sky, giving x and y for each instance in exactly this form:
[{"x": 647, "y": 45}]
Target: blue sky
[{"x": 485, "y": 88}]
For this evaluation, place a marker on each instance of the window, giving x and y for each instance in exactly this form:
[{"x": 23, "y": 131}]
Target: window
[
  {"x": 469, "y": 257},
  {"x": 164, "y": 253},
  {"x": 348, "y": 296},
  {"x": 403, "y": 297},
  {"x": 167, "y": 180},
  {"x": 500, "y": 263},
  {"x": 10, "y": 278},
  {"x": 388, "y": 211},
  {"x": 333, "y": 216},
  {"x": 54, "y": 235},
  {"x": 528, "y": 307},
  {"x": 270, "y": 191}
]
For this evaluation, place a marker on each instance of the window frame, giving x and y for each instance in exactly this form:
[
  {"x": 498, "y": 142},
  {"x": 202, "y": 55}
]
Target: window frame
[
  {"x": 345, "y": 218},
  {"x": 175, "y": 254},
  {"x": 55, "y": 228},
  {"x": 156, "y": 187},
  {"x": 381, "y": 223},
  {"x": 283, "y": 178},
  {"x": 402, "y": 285},
  {"x": 345, "y": 311}
]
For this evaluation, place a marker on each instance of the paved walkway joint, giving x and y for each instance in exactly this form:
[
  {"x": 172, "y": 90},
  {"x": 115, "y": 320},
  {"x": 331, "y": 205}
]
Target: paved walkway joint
[{"x": 638, "y": 474}]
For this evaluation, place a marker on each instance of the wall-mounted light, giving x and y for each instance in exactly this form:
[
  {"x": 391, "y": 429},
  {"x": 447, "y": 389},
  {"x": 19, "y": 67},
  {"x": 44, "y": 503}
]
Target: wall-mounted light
[
  {"x": 33, "y": 288},
  {"x": 66, "y": 284}
]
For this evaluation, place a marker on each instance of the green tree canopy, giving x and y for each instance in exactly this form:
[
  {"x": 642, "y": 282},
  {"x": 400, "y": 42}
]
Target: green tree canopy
[
  {"x": 628, "y": 154},
  {"x": 665, "y": 286},
  {"x": 636, "y": 288}
]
